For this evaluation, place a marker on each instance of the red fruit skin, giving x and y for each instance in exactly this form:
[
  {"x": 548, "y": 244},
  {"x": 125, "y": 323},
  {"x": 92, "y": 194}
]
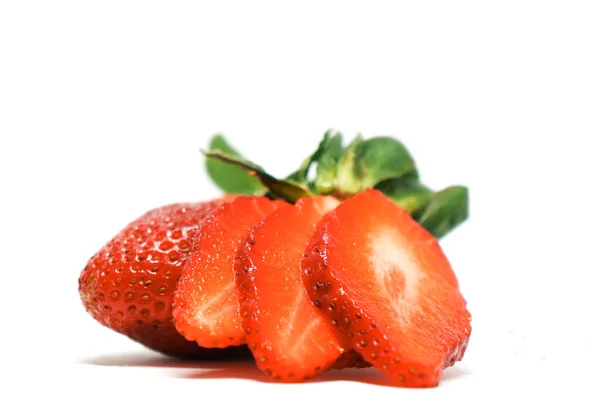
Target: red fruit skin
[
  {"x": 366, "y": 336},
  {"x": 128, "y": 285}
]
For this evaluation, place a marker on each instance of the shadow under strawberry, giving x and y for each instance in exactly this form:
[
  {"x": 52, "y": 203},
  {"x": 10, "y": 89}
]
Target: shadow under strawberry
[
  {"x": 247, "y": 370},
  {"x": 242, "y": 367},
  {"x": 151, "y": 359}
]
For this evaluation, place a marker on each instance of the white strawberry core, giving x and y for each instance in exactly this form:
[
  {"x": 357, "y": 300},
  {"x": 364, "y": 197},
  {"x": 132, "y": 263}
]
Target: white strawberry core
[{"x": 393, "y": 263}]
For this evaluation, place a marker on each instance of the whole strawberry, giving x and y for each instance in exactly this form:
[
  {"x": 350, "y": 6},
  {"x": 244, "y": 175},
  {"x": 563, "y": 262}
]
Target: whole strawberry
[{"x": 128, "y": 285}]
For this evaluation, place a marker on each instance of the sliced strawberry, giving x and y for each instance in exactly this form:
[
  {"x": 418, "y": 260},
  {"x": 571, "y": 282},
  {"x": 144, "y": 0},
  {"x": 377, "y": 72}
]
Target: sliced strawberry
[
  {"x": 206, "y": 306},
  {"x": 385, "y": 282},
  {"x": 290, "y": 339}
]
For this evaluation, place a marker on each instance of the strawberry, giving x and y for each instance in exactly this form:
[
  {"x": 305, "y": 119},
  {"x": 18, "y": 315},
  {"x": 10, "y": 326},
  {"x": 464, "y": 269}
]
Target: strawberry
[
  {"x": 384, "y": 281},
  {"x": 188, "y": 278},
  {"x": 206, "y": 305},
  {"x": 289, "y": 338},
  {"x": 129, "y": 284}
]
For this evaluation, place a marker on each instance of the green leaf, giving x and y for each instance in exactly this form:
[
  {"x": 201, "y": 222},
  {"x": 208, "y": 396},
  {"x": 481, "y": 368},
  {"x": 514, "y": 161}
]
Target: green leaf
[
  {"x": 327, "y": 163},
  {"x": 229, "y": 178},
  {"x": 379, "y": 159},
  {"x": 346, "y": 181},
  {"x": 362, "y": 164},
  {"x": 289, "y": 191},
  {"x": 301, "y": 175},
  {"x": 407, "y": 192},
  {"x": 446, "y": 210}
]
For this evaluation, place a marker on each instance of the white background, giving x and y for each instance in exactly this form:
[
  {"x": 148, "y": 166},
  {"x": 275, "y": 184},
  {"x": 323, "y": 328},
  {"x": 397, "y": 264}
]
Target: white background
[{"x": 104, "y": 106}]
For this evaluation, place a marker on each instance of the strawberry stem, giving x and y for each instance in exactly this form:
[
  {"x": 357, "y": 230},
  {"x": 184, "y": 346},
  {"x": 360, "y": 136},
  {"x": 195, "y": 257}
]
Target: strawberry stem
[
  {"x": 382, "y": 163},
  {"x": 287, "y": 190}
]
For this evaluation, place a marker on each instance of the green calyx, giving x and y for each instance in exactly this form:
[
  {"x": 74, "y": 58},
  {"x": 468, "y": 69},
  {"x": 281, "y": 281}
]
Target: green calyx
[{"x": 381, "y": 163}]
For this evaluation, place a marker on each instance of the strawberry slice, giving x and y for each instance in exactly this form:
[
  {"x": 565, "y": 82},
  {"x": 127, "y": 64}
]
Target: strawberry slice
[
  {"x": 206, "y": 306},
  {"x": 384, "y": 281},
  {"x": 289, "y": 338}
]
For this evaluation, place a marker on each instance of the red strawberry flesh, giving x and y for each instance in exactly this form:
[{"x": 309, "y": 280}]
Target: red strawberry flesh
[
  {"x": 206, "y": 308},
  {"x": 287, "y": 335}
]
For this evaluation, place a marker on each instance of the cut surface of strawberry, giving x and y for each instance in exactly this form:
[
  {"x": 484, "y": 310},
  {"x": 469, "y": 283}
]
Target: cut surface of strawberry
[
  {"x": 289, "y": 338},
  {"x": 384, "y": 281},
  {"x": 206, "y": 308}
]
